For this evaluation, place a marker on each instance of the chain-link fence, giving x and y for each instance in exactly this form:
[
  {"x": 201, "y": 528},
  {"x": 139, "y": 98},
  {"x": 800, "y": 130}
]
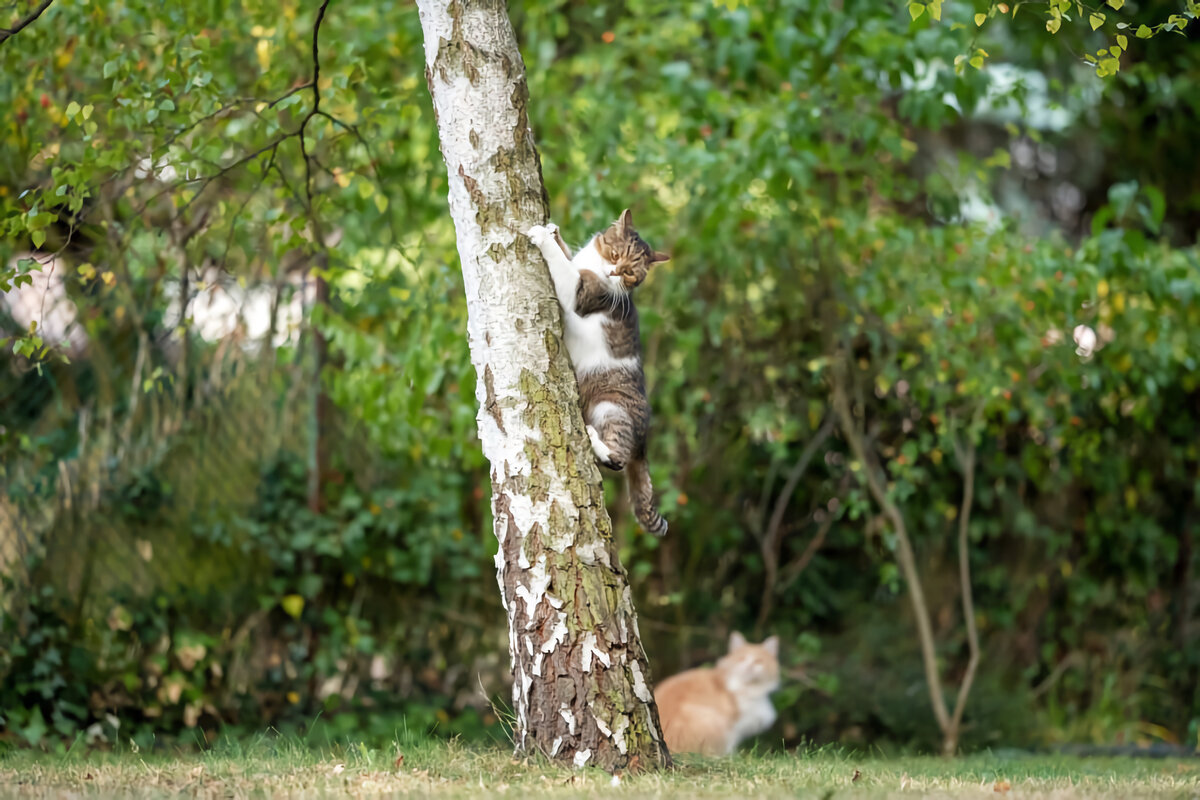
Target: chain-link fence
[{"x": 168, "y": 559}]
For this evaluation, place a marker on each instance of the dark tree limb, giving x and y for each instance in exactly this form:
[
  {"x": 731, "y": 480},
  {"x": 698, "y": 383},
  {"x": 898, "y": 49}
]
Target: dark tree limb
[{"x": 8, "y": 33}]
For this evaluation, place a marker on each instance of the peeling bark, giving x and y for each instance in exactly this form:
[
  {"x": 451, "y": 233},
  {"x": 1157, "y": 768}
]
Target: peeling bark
[{"x": 581, "y": 681}]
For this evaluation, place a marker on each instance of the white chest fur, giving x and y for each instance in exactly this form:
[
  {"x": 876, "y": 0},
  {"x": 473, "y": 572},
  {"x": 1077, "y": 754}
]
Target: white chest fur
[
  {"x": 586, "y": 340},
  {"x": 755, "y": 715}
]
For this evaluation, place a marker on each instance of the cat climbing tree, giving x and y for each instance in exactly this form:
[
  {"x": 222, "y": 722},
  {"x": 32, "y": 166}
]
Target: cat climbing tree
[{"x": 581, "y": 681}]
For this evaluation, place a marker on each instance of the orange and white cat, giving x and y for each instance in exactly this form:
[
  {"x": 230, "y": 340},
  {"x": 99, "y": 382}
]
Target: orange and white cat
[{"x": 712, "y": 710}]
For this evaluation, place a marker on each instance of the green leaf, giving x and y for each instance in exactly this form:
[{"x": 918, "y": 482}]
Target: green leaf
[
  {"x": 110, "y": 68},
  {"x": 1053, "y": 24},
  {"x": 980, "y": 19},
  {"x": 87, "y": 111},
  {"x": 1096, "y": 20},
  {"x": 72, "y": 109},
  {"x": 1116, "y": 4},
  {"x": 39, "y": 238},
  {"x": 293, "y": 605},
  {"x": 1144, "y": 32},
  {"x": 915, "y": 10},
  {"x": 976, "y": 62},
  {"x": 381, "y": 202},
  {"x": 167, "y": 105},
  {"x": 935, "y": 9},
  {"x": 1122, "y": 41}
]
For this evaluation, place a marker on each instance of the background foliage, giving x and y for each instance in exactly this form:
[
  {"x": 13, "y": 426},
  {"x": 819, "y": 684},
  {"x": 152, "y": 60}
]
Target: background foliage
[{"x": 242, "y": 483}]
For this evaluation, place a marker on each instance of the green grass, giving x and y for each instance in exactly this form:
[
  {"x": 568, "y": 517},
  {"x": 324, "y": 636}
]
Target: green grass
[{"x": 288, "y": 768}]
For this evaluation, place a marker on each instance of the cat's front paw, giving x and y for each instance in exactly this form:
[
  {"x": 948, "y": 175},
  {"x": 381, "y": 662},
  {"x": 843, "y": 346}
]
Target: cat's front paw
[{"x": 541, "y": 234}]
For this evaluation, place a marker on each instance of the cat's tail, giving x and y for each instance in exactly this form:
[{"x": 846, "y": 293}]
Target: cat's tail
[{"x": 637, "y": 472}]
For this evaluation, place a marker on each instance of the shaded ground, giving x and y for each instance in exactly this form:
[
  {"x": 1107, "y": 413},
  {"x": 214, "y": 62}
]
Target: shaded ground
[{"x": 290, "y": 769}]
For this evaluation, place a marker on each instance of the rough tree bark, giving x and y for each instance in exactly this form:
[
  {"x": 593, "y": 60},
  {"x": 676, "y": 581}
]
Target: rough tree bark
[{"x": 581, "y": 682}]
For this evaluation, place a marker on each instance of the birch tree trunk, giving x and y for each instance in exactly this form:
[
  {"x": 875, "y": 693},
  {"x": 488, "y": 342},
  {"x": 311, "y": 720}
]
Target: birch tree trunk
[{"x": 581, "y": 682}]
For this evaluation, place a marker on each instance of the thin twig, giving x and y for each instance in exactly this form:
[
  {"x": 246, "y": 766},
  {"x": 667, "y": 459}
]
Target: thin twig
[
  {"x": 316, "y": 107},
  {"x": 8, "y": 33}
]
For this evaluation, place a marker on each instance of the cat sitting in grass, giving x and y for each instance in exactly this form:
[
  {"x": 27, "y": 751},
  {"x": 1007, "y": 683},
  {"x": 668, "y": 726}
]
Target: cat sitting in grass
[
  {"x": 713, "y": 710},
  {"x": 605, "y": 347}
]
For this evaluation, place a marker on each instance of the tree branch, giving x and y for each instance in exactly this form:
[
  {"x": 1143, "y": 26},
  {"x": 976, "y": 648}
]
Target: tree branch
[
  {"x": 792, "y": 572},
  {"x": 770, "y": 542},
  {"x": 966, "y": 462},
  {"x": 8, "y": 33},
  {"x": 904, "y": 551}
]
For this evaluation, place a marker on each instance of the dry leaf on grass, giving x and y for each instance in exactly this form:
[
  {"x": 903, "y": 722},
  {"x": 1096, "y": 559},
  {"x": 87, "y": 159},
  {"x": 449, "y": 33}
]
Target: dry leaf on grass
[
  {"x": 857, "y": 775},
  {"x": 399, "y": 761},
  {"x": 338, "y": 769},
  {"x": 1003, "y": 787},
  {"x": 905, "y": 781}
]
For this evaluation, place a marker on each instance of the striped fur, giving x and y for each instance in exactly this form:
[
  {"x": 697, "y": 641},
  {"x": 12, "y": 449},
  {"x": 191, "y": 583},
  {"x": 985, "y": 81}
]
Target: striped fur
[{"x": 604, "y": 341}]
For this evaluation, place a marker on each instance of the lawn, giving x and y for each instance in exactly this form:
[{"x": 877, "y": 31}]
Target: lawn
[{"x": 282, "y": 768}]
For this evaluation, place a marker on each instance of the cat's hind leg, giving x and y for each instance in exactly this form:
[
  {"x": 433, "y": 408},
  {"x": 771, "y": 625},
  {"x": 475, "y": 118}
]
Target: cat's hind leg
[
  {"x": 612, "y": 435},
  {"x": 603, "y": 453}
]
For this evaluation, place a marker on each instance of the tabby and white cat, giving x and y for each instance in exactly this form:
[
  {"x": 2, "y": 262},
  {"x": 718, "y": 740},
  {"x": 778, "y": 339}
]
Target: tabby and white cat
[
  {"x": 605, "y": 347},
  {"x": 712, "y": 710}
]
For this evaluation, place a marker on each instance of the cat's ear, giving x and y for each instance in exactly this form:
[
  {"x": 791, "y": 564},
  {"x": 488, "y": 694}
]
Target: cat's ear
[
  {"x": 626, "y": 219},
  {"x": 657, "y": 257},
  {"x": 736, "y": 640},
  {"x": 771, "y": 645}
]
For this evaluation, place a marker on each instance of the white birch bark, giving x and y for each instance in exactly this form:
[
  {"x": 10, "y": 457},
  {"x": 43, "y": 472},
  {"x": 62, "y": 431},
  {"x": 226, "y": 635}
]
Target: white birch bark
[{"x": 581, "y": 690}]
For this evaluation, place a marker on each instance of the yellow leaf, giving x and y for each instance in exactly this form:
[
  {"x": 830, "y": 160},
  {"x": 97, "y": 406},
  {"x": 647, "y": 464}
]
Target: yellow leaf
[
  {"x": 1053, "y": 25},
  {"x": 1122, "y": 41},
  {"x": 293, "y": 605},
  {"x": 1116, "y": 4},
  {"x": 1096, "y": 20},
  {"x": 263, "y": 51},
  {"x": 980, "y": 19},
  {"x": 935, "y": 9},
  {"x": 916, "y": 9},
  {"x": 976, "y": 62},
  {"x": 1102, "y": 289}
]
